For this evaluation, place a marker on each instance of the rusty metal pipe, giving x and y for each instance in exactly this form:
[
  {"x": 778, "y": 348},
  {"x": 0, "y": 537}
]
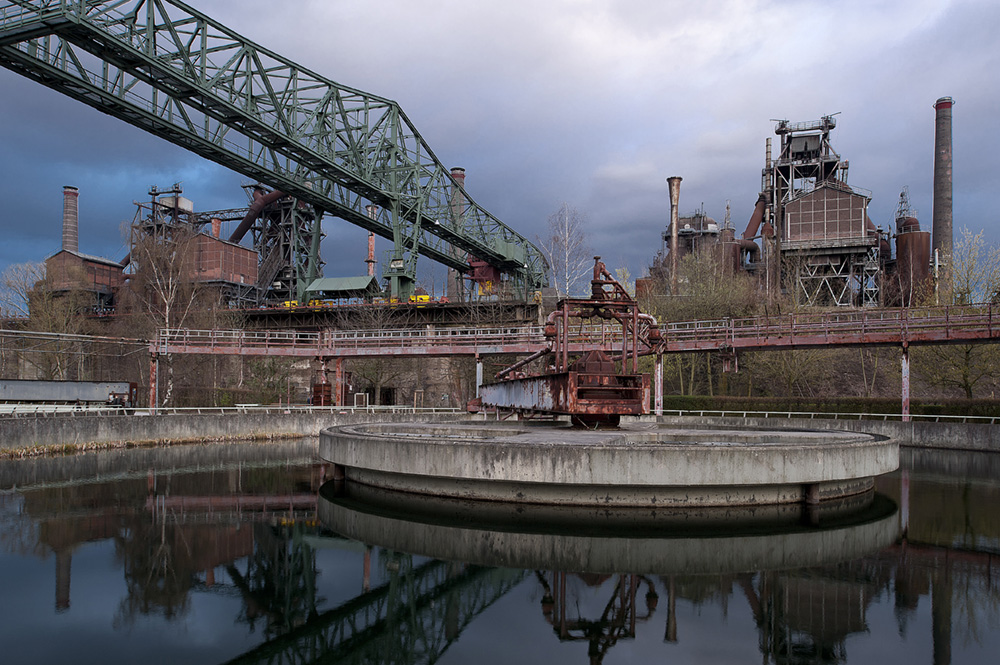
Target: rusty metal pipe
[
  {"x": 260, "y": 201},
  {"x": 756, "y": 218},
  {"x": 521, "y": 363}
]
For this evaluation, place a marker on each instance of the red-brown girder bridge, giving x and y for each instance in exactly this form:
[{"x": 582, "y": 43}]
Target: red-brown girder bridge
[{"x": 966, "y": 324}]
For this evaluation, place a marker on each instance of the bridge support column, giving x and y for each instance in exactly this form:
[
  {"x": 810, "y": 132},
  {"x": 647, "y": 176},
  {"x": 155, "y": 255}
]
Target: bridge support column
[
  {"x": 154, "y": 366},
  {"x": 658, "y": 384},
  {"x": 906, "y": 383},
  {"x": 479, "y": 374},
  {"x": 338, "y": 386}
]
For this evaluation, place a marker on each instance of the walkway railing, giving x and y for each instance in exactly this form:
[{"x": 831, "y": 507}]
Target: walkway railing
[
  {"x": 46, "y": 410},
  {"x": 934, "y": 325},
  {"x": 820, "y": 415},
  {"x": 878, "y": 326}
]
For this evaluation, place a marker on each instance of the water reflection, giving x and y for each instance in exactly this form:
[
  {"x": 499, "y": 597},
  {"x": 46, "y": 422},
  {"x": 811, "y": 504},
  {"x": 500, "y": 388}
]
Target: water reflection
[
  {"x": 242, "y": 554},
  {"x": 700, "y": 541}
]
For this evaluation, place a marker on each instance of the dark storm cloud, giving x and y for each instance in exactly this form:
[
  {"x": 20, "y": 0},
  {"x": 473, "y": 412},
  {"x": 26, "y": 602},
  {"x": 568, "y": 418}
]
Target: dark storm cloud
[{"x": 589, "y": 102}]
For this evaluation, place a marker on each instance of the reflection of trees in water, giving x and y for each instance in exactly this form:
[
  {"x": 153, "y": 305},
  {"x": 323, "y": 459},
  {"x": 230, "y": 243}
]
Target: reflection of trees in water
[
  {"x": 154, "y": 581},
  {"x": 163, "y": 562},
  {"x": 279, "y": 582},
  {"x": 974, "y": 598},
  {"x": 19, "y": 534}
]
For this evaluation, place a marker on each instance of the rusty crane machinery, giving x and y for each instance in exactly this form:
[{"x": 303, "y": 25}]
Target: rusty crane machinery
[{"x": 591, "y": 360}]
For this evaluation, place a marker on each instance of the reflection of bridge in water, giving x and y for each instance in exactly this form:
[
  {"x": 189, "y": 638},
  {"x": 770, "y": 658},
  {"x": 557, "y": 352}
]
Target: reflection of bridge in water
[{"x": 412, "y": 618}]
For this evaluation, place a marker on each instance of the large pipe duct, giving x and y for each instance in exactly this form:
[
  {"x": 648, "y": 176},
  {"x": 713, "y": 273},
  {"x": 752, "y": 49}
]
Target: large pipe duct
[
  {"x": 260, "y": 201},
  {"x": 674, "y": 182},
  {"x": 756, "y": 218},
  {"x": 942, "y": 214},
  {"x": 71, "y": 219}
]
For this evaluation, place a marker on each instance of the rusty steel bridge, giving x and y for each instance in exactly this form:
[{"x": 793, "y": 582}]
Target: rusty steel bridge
[{"x": 884, "y": 327}]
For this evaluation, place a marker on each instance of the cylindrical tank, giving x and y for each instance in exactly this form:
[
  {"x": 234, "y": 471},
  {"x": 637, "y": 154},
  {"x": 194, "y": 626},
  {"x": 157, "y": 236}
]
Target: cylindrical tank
[
  {"x": 913, "y": 250},
  {"x": 729, "y": 250},
  {"x": 907, "y": 224}
]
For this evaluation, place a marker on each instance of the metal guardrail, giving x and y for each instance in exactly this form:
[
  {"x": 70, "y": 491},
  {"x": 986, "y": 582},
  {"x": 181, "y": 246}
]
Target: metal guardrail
[
  {"x": 46, "y": 410},
  {"x": 820, "y": 415},
  {"x": 885, "y": 326}
]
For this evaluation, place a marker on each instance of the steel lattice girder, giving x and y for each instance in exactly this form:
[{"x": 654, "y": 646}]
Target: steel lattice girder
[{"x": 172, "y": 71}]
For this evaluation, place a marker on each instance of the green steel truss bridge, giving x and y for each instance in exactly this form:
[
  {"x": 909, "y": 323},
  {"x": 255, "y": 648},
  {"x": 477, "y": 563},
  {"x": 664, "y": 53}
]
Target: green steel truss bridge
[{"x": 174, "y": 72}]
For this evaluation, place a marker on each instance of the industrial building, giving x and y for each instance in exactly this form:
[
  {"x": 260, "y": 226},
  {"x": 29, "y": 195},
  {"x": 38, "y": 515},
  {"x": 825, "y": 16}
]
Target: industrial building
[{"x": 810, "y": 236}]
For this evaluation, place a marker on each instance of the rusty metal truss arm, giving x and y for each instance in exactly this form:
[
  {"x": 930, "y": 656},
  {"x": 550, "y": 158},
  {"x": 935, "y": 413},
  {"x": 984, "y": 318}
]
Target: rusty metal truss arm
[{"x": 172, "y": 71}]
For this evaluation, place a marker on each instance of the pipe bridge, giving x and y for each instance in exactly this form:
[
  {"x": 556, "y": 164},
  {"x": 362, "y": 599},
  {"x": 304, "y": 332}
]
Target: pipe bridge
[
  {"x": 903, "y": 327},
  {"x": 884, "y": 327}
]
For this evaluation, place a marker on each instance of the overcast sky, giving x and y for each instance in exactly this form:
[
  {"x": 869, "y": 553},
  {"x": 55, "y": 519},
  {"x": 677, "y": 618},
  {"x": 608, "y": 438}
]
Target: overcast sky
[{"x": 589, "y": 102}]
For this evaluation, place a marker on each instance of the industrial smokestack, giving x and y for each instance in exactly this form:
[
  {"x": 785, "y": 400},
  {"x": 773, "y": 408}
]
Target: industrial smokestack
[
  {"x": 216, "y": 227},
  {"x": 71, "y": 219},
  {"x": 942, "y": 213},
  {"x": 674, "y": 183}
]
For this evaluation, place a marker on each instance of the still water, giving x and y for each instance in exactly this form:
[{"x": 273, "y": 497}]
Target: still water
[{"x": 240, "y": 553}]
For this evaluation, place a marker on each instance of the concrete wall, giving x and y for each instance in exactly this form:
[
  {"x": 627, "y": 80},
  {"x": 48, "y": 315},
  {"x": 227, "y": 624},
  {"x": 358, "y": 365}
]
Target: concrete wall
[
  {"x": 916, "y": 434},
  {"x": 78, "y": 432},
  {"x": 55, "y": 433}
]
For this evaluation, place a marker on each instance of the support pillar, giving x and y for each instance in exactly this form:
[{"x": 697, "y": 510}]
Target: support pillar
[
  {"x": 906, "y": 383},
  {"x": 338, "y": 385},
  {"x": 154, "y": 366},
  {"x": 658, "y": 384},
  {"x": 321, "y": 396},
  {"x": 479, "y": 374}
]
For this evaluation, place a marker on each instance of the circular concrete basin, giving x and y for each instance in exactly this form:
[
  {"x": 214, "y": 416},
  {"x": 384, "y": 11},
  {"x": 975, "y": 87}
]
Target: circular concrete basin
[{"x": 637, "y": 465}]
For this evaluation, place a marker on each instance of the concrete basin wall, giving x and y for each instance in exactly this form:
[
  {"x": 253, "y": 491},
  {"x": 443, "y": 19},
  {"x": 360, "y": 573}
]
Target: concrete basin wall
[
  {"x": 648, "y": 467},
  {"x": 38, "y": 435},
  {"x": 914, "y": 434}
]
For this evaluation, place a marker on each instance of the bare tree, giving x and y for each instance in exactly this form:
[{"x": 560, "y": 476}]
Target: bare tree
[
  {"x": 27, "y": 293},
  {"x": 565, "y": 247},
  {"x": 18, "y": 282},
  {"x": 966, "y": 368},
  {"x": 162, "y": 291}
]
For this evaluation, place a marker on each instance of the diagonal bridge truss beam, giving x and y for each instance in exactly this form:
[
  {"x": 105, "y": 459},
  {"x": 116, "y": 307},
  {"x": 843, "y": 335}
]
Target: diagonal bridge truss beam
[{"x": 168, "y": 69}]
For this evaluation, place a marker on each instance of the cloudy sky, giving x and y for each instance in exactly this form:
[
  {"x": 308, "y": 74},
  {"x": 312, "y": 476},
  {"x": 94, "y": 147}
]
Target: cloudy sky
[{"x": 589, "y": 102}]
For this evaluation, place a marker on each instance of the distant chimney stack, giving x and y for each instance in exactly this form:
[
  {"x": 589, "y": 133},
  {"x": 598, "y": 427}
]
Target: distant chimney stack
[
  {"x": 674, "y": 183},
  {"x": 216, "y": 227},
  {"x": 942, "y": 212},
  {"x": 71, "y": 219}
]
